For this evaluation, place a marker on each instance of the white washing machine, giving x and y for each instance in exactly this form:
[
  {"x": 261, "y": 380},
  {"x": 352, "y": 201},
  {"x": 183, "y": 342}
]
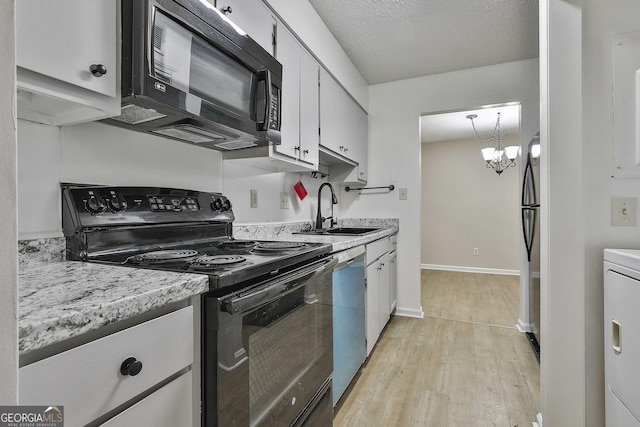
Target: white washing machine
[{"x": 622, "y": 337}]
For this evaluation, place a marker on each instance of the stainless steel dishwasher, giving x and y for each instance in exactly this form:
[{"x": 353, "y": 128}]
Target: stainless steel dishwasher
[{"x": 349, "y": 334}]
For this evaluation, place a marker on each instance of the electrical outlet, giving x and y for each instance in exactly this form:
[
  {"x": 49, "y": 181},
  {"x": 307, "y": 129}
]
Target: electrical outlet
[
  {"x": 476, "y": 251},
  {"x": 284, "y": 200},
  {"x": 402, "y": 194},
  {"x": 254, "y": 198},
  {"x": 623, "y": 211}
]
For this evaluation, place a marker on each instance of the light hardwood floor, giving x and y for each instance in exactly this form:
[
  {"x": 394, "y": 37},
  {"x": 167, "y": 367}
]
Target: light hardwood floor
[{"x": 464, "y": 364}]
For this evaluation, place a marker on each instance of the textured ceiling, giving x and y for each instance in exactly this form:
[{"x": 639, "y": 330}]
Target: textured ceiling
[{"x": 391, "y": 40}]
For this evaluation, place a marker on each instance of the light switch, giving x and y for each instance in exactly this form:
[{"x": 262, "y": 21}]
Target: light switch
[
  {"x": 284, "y": 200},
  {"x": 623, "y": 211},
  {"x": 254, "y": 198}
]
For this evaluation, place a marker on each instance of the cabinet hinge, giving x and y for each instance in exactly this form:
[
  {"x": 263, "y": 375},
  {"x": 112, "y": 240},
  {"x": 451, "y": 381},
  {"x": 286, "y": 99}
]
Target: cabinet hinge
[{"x": 365, "y": 283}]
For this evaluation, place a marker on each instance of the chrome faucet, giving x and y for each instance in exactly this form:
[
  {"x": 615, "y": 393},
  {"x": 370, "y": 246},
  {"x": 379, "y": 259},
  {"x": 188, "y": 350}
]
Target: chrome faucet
[{"x": 334, "y": 201}]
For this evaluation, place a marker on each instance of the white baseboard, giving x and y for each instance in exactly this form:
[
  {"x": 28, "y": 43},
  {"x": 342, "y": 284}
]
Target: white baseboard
[
  {"x": 470, "y": 269},
  {"x": 410, "y": 312},
  {"x": 538, "y": 421},
  {"x": 524, "y": 327}
]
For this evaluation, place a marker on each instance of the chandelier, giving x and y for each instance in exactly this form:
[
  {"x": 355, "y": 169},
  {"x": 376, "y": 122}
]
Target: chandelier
[{"x": 498, "y": 157}]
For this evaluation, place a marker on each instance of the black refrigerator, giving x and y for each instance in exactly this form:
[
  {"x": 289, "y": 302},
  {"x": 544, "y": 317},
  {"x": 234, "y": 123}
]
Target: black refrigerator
[{"x": 530, "y": 208}]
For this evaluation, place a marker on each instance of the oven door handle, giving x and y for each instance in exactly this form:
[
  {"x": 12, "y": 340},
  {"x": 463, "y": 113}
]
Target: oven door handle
[{"x": 275, "y": 288}]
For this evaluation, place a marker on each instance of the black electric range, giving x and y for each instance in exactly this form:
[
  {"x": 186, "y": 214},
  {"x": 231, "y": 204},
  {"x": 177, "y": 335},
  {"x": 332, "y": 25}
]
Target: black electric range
[
  {"x": 172, "y": 230},
  {"x": 266, "y": 321}
]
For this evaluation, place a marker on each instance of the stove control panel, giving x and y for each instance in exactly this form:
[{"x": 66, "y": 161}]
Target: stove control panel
[
  {"x": 94, "y": 206},
  {"x": 172, "y": 203}
]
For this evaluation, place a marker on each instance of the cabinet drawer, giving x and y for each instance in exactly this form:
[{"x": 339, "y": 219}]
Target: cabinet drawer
[
  {"x": 376, "y": 249},
  {"x": 87, "y": 379},
  {"x": 170, "y": 406}
]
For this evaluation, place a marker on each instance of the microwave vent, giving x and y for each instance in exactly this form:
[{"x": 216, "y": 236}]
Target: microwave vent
[
  {"x": 192, "y": 134},
  {"x": 236, "y": 145},
  {"x": 135, "y": 114}
]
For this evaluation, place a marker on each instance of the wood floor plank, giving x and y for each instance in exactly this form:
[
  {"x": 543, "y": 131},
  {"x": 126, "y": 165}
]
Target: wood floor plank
[{"x": 463, "y": 365}]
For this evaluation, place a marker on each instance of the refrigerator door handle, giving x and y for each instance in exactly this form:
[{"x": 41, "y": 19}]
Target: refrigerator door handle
[
  {"x": 529, "y": 185},
  {"x": 528, "y": 227}
]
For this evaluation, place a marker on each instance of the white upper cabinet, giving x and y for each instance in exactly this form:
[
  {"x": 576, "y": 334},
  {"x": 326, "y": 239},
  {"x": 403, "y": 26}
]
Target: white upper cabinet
[
  {"x": 333, "y": 122},
  {"x": 343, "y": 133},
  {"x": 67, "y": 60},
  {"x": 309, "y": 109},
  {"x": 254, "y": 18},
  {"x": 298, "y": 149},
  {"x": 300, "y": 119},
  {"x": 322, "y": 126}
]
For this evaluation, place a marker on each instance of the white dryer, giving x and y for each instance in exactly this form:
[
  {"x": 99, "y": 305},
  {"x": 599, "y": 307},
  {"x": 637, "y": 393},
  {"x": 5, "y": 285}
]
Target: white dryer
[{"x": 622, "y": 337}]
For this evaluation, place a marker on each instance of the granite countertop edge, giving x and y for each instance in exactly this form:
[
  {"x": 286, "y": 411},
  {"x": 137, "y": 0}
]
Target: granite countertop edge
[{"x": 66, "y": 299}]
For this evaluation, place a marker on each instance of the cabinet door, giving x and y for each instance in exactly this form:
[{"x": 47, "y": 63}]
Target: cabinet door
[
  {"x": 332, "y": 117},
  {"x": 385, "y": 295},
  {"x": 170, "y": 406},
  {"x": 361, "y": 142},
  {"x": 253, "y": 17},
  {"x": 393, "y": 281},
  {"x": 62, "y": 39},
  {"x": 88, "y": 380},
  {"x": 288, "y": 54},
  {"x": 309, "y": 109},
  {"x": 373, "y": 305}
]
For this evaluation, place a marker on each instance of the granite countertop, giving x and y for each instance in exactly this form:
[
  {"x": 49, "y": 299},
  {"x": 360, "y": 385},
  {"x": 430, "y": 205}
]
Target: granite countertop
[
  {"x": 287, "y": 231},
  {"x": 61, "y": 300}
]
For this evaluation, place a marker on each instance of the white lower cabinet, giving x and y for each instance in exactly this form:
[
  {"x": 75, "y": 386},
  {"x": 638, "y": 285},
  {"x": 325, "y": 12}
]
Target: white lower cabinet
[
  {"x": 378, "y": 290},
  {"x": 168, "y": 407},
  {"x": 393, "y": 281},
  {"x": 115, "y": 371}
]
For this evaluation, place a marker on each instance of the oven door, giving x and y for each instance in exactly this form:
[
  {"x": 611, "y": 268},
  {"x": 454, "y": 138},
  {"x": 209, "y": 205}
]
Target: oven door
[{"x": 268, "y": 349}]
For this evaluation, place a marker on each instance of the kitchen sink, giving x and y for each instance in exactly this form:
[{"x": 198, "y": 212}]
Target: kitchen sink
[{"x": 340, "y": 231}]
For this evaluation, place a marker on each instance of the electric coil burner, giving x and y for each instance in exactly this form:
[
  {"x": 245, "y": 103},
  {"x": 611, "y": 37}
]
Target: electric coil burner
[
  {"x": 267, "y": 317},
  {"x": 163, "y": 257}
]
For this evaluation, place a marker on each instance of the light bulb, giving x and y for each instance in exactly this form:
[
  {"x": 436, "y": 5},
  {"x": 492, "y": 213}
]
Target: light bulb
[
  {"x": 512, "y": 151},
  {"x": 535, "y": 151},
  {"x": 487, "y": 153}
]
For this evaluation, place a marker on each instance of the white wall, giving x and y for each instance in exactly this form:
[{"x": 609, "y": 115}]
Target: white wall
[
  {"x": 8, "y": 228},
  {"x": 95, "y": 153},
  {"x": 562, "y": 294},
  {"x": 579, "y": 145},
  {"x": 239, "y": 180},
  {"x": 465, "y": 205},
  {"x": 394, "y": 146}
]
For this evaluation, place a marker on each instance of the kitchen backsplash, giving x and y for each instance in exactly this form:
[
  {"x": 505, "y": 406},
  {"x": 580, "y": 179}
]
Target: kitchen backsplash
[
  {"x": 40, "y": 251},
  {"x": 94, "y": 153}
]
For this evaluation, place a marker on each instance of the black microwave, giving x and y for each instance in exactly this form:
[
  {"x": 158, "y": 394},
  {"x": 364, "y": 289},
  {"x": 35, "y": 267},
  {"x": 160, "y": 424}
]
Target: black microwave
[{"x": 190, "y": 74}]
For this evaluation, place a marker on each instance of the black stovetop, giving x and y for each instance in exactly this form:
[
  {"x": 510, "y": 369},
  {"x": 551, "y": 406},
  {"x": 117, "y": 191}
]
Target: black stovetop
[
  {"x": 226, "y": 261},
  {"x": 174, "y": 230}
]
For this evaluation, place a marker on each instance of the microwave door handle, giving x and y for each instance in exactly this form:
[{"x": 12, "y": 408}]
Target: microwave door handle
[{"x": 266, "y": 76}]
